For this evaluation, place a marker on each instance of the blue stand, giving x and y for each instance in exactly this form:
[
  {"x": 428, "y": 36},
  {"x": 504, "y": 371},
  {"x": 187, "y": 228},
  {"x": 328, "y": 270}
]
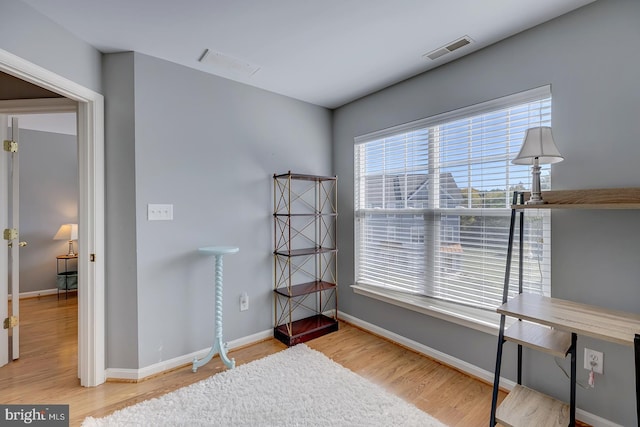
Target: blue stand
[{"x": 218, "y": 345}]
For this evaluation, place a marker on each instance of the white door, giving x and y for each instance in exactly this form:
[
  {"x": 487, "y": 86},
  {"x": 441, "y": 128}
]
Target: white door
[
  {"x": 4, "y": 253},
  {"x": 10, "y": 216}
]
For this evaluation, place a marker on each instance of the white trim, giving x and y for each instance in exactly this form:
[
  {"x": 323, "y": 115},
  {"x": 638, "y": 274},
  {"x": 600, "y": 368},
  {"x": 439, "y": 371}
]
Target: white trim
[
  {"x": 463, "y": 366},
  {"x": 494, "y": 104},
  {"x": 459, "y": 364},
  {"x": 32, "y": 73},
  {"x": 91, "y": 298},
  {"x": 90, "y": 110},
  {"x": 474, "y": 318},
  {"x": 177, "y": 362},
  {"x": 34, "y": 294}
]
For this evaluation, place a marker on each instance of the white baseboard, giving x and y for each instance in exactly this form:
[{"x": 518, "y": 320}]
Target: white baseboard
[
  {"x": 166, "y": 365},
  {"x": 461, "y": 365},
  {"x": 34, "y": 294}
]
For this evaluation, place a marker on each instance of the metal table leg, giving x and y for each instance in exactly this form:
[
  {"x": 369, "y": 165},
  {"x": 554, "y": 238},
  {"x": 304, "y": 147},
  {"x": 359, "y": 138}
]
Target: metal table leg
[
  {"x": 572, "y": 401},
  {"x": 636, "y": 348}
]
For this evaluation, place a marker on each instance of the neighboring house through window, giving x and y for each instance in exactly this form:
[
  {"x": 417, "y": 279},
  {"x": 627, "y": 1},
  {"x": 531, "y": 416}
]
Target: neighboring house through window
[{"x": 432, "y": 202}]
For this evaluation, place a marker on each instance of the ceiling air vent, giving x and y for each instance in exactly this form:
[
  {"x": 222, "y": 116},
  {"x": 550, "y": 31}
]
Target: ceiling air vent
[
  {"x": 441, "y": 51},
  {"x": 228, "y": 63}
]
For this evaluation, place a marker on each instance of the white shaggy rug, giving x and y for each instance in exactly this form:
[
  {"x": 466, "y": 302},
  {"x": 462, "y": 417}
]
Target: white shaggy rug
[{"x": 294, "y": 387}]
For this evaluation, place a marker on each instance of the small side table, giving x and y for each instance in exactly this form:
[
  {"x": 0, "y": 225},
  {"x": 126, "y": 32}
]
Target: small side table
[
  {"x": 66, "y": 279},
  {"x": 218, "y": 345}
]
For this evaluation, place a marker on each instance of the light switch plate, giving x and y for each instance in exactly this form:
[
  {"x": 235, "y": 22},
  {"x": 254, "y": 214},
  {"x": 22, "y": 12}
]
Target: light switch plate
[{"x": 156, "y": 212}]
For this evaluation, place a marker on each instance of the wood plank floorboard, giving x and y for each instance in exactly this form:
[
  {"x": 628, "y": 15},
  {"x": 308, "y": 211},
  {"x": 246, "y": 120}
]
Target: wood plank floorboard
[{"x": 46, "y": 372}]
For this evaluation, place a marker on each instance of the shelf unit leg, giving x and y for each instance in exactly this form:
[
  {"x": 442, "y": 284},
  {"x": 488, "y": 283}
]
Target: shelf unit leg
[
  {"x": 572, "y": 401},
  {"x": 505, "y": 297},
  {"x": 520, "y": 279},
  {"x": 636, "y": 348},
  {"x": 519, "y": 364},
  {"x": 496, "y": 377}
]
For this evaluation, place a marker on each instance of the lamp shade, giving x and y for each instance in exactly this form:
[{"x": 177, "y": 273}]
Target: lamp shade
[
  {"x": 67, "y": 232},
  {"x": 538, "y": 144}
]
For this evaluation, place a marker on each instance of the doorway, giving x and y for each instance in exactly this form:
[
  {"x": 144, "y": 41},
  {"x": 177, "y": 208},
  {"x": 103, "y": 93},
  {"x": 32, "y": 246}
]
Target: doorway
[
  {"x": 48, "y": 201},
  {"x": 89, "y": 106}
]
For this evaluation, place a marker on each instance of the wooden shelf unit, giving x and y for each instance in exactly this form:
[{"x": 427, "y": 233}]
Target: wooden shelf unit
[
  {"x": 556, "y": 323},
  {"x": 524, "y": 406},
  {"x": 306, "y": 329},
  {"x": 305, "y": 256},
  {"x": 619, "y": 198},
  {"x": 541, "y": 338},
  {"x": 304, "y": 251},
  {"x": 583, "y": 319},
  {"x": 305, "y": 288}
]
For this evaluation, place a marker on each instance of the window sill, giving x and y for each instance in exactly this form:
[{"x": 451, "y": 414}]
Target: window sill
[{"x": 470, "y": 317}]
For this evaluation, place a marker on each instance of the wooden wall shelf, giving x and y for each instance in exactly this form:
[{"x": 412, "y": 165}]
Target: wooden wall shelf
[{"x": 617, "y": 198}]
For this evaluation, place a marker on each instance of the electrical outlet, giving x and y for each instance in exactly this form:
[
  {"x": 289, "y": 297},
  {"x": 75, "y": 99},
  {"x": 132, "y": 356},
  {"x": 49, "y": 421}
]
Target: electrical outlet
[
  {"x": 244, "y": 301},
  {"x": 593, "y": 360}
]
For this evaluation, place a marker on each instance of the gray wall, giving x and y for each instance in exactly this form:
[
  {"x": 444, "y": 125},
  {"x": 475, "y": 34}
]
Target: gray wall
[
  {"x": 34, "y": 37},
  {"x": 121, "y": 305},
  {"x": 48, "y": 199},
  {"x": 209, "y": 146},
  {"x": 586, "y": 57}
]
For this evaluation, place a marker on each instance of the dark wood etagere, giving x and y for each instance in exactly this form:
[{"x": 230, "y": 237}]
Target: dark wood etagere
[{"x": 305, "y": 256}]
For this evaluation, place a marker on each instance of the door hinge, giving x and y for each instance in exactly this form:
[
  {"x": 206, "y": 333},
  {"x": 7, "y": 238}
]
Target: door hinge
[
  {"x": 92, "y": 257},
  {"x": 10, "y": 233},
  {"x": 10, "y": 322},
  {"x": 10, "y": 146}
]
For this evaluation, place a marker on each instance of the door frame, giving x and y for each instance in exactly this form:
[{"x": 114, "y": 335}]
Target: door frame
[{"x": 89, "y": 107}]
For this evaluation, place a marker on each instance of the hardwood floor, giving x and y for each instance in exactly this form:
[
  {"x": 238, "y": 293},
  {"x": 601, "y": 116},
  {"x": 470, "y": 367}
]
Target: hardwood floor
[
  {"x": 452, "y": 397},
  {"x": 46, "y": 372}
]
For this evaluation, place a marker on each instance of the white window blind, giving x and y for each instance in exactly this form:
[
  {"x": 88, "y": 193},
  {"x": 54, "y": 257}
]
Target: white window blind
[{"x": 432, "y": 203}]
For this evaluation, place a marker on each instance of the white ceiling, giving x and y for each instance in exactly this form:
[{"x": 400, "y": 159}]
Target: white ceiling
[{"x": 326, "y": 52}]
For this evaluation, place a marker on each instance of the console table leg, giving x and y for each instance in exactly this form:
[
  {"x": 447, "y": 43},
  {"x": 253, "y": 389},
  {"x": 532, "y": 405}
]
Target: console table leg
[{"x": 219, "y": 347}]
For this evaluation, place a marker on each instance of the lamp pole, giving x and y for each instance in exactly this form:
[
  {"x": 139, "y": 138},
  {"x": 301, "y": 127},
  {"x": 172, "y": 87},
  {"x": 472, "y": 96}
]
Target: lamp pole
[{"x": 536, "y": 195}]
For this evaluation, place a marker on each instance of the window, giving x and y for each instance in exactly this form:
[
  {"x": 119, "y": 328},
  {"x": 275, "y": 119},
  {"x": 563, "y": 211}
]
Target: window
[{"x": 432, "y": 203}]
